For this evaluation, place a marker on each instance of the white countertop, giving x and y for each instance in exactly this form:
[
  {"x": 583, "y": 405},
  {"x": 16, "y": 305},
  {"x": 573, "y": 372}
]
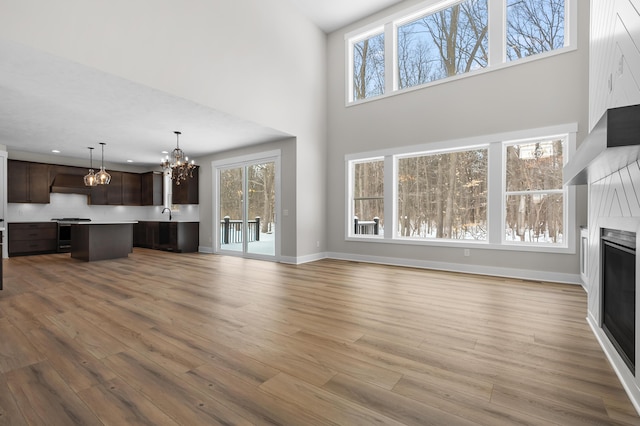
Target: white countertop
[{"x": 97, "y": 222}]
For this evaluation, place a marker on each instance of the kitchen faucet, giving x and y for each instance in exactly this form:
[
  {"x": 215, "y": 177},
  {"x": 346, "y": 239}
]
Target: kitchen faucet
[{"x": 167, "y": 208}]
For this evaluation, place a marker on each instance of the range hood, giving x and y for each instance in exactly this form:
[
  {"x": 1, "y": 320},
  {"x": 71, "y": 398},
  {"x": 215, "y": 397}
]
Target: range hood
[
  {"x": 613, "y": 144},
  {"x": 69, "y": 184}
]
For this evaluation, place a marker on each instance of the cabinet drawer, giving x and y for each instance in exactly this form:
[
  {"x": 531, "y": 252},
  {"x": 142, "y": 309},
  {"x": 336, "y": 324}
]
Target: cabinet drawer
[
  {"x": 32, "y": 246},
  {"x": 33, "y": 234},
  {"x": 32, "y": 225}
]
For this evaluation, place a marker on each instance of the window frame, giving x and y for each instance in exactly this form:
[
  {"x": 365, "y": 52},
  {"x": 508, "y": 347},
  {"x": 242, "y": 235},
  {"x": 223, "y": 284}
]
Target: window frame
[
  {"x": 350, "y": 165},
  {"x": 496, "y": 191},
  {"x": 497, "y": 51},
  {"x": 429, "y": 153},
  {"x": 564, "y": 191}
]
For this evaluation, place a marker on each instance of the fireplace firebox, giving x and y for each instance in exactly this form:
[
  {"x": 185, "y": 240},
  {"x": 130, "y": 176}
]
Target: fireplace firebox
[{"x": 618, "y": 256}]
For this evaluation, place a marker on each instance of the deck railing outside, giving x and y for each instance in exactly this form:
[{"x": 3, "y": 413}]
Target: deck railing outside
[{"x": 231, "y": 230}]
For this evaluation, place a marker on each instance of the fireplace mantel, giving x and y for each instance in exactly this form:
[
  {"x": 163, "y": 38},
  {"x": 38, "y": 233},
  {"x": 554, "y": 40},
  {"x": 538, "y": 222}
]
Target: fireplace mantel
[{"x": 613, "y": 144}]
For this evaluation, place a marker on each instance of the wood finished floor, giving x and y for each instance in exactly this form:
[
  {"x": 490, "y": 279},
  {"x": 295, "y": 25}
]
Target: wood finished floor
[{"x": 196, "y": 339}]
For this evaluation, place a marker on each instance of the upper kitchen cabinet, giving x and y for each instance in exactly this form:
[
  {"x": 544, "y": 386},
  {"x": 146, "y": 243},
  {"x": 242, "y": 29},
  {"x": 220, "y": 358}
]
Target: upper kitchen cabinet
[
  {"x": 110, "y": 194},
  {"x": 187, "y": 191},
  {"x": 151, "y": 191},
  {"x": 27, "y": 182},
  {"x": 131, "y": 189}
]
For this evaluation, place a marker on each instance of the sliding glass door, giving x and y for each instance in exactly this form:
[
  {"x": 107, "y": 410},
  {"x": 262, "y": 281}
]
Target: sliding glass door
[{"x": 246, "y": 207}]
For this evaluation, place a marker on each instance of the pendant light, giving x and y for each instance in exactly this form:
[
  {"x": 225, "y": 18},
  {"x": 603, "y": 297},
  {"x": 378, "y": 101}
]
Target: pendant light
[
  {"x": 102, "y": 176},
  {"x": 178, "y": 163},
  {"x": 90, "y": 178}
]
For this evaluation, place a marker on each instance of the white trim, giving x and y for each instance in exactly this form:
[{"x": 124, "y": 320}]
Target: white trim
[
  {"x": 303, "y": 259},
  {"x": 470, "y": 244},
  {"x": 452, "y": 144},
  {"x": 496, "y": 145},
  {"x": 205, "y": 249},
  {"x": 622, "y": 371},
  {"x": 523, "y": 274},
  {"x": 244, "y": 161}
]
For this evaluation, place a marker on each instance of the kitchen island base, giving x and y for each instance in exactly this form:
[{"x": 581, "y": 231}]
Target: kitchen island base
[{"x": 100, "y": 241}]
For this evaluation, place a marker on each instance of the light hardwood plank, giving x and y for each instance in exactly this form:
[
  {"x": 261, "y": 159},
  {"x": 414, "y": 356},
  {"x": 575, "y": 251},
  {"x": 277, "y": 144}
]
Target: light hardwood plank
[{"x": 166, "y": 338}]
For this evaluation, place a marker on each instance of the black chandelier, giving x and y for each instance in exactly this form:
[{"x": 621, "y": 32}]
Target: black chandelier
[{"x": 178, "y": 163}]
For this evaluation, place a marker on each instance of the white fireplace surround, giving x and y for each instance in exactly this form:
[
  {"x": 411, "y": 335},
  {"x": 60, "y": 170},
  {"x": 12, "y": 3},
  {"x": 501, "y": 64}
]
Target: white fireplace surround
[{"x": 630, "y": 382}]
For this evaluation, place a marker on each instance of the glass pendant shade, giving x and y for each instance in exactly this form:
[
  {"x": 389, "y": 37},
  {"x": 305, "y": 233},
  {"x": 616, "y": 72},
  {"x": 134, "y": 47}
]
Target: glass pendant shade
[
  {"x": 178, "y": 163},
  {"x": 90, "y": 178},
  {"x": 102, "y": 177}
]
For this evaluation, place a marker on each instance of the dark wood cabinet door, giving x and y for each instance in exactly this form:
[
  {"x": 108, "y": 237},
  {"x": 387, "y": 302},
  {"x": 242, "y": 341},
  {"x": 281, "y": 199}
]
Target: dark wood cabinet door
[
  {"x": 114, "y": 189},
  {"x": 131, "y": 189},
  {"x": 39, "y": 189},
  {"x": 27, "y": 182},
  {"x": 152, "y": 185},
  {"x": 99, "y": 195},
  {"x": 17, "y": 181},
  {"x": 187, "y": 191}
]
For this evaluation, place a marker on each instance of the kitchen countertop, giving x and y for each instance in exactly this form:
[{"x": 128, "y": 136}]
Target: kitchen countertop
[{"x": 97, "y": 222}]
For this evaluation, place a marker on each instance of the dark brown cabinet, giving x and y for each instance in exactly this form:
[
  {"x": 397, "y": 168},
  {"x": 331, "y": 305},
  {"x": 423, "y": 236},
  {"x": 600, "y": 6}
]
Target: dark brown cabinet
[
  {"x": 110, "y": 194},
  {"x": 27, "y": 182},
  {"x": 131, "y": 189},
  {"x": 187, "y": 191},
  {"x": 27, "y": 238},
  {"x": 180, "y": 237},
  {"x": 151, "y": 189}
]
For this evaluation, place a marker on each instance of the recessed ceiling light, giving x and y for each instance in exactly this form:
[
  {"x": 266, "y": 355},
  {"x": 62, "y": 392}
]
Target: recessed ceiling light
[
  {"x": 55, "y": 151},
  {"x": 165, "y": 152},
  {"x": 129, "y": 161}
]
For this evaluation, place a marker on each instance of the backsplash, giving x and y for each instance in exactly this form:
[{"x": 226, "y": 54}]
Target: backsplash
[{"x": 75, "y": 205}]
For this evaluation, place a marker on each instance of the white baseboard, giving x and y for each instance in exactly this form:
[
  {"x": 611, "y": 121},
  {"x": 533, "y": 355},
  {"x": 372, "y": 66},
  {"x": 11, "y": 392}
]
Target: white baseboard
[
  {"x": 627, "y": 379},
  {"x": 303, "y": 259},
  {"x": 523, "y": 274}
]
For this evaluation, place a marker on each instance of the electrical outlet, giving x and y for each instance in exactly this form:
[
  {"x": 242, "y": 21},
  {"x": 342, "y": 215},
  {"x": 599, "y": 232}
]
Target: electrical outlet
[{"x": 467, "y": 252}]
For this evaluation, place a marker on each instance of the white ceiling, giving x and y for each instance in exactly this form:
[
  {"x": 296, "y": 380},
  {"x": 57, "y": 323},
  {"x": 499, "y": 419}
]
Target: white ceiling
[
  {"x": 49, "y": 103},
  {"x": 331, "y": 15}
]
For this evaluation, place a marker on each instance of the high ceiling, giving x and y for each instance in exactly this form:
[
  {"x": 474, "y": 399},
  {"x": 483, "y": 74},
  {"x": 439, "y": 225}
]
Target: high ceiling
[
  {"x": 49, "y": 103},
  {"x": 331, "y": 15}
]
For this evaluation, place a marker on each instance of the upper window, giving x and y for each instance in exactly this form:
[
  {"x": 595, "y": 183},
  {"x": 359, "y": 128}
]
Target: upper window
[
  {"x": 534, "y": 26},
  {"x": 448, "y": 42},
  {"x": 368, "y": 67},
  {"x": 451, "y": 38}
]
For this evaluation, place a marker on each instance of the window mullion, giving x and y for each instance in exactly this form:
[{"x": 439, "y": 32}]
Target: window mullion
[
  {"x": 495, "y": 198},
  {"x": 390, "y": 58},
  {"x": 497, "y": 32},
  {"x": 390, "y": 189}
]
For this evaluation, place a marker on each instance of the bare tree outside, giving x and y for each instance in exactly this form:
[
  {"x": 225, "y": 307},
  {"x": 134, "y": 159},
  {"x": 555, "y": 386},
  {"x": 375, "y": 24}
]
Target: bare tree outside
[
  {"x": 449, "y": 42},
  {"x": 443, "y": 195},
  {"x": 368, "y": 191},
  {"x": 368, "y": 67},
  {"x": 534, "y": 194},
  {"x": 534, "y": 26}
]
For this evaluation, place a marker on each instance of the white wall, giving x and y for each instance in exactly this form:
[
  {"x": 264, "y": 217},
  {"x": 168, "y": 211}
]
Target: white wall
[
  {"x": 288, "y": 186},
  {"x": 259, "y": 60},
  {"x": 614, "y": 63},
  {"x": 546, "y": 92}
]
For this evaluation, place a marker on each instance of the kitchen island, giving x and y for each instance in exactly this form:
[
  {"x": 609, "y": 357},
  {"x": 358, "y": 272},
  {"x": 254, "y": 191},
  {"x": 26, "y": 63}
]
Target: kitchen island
[{"x": 92, "y": 241}]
